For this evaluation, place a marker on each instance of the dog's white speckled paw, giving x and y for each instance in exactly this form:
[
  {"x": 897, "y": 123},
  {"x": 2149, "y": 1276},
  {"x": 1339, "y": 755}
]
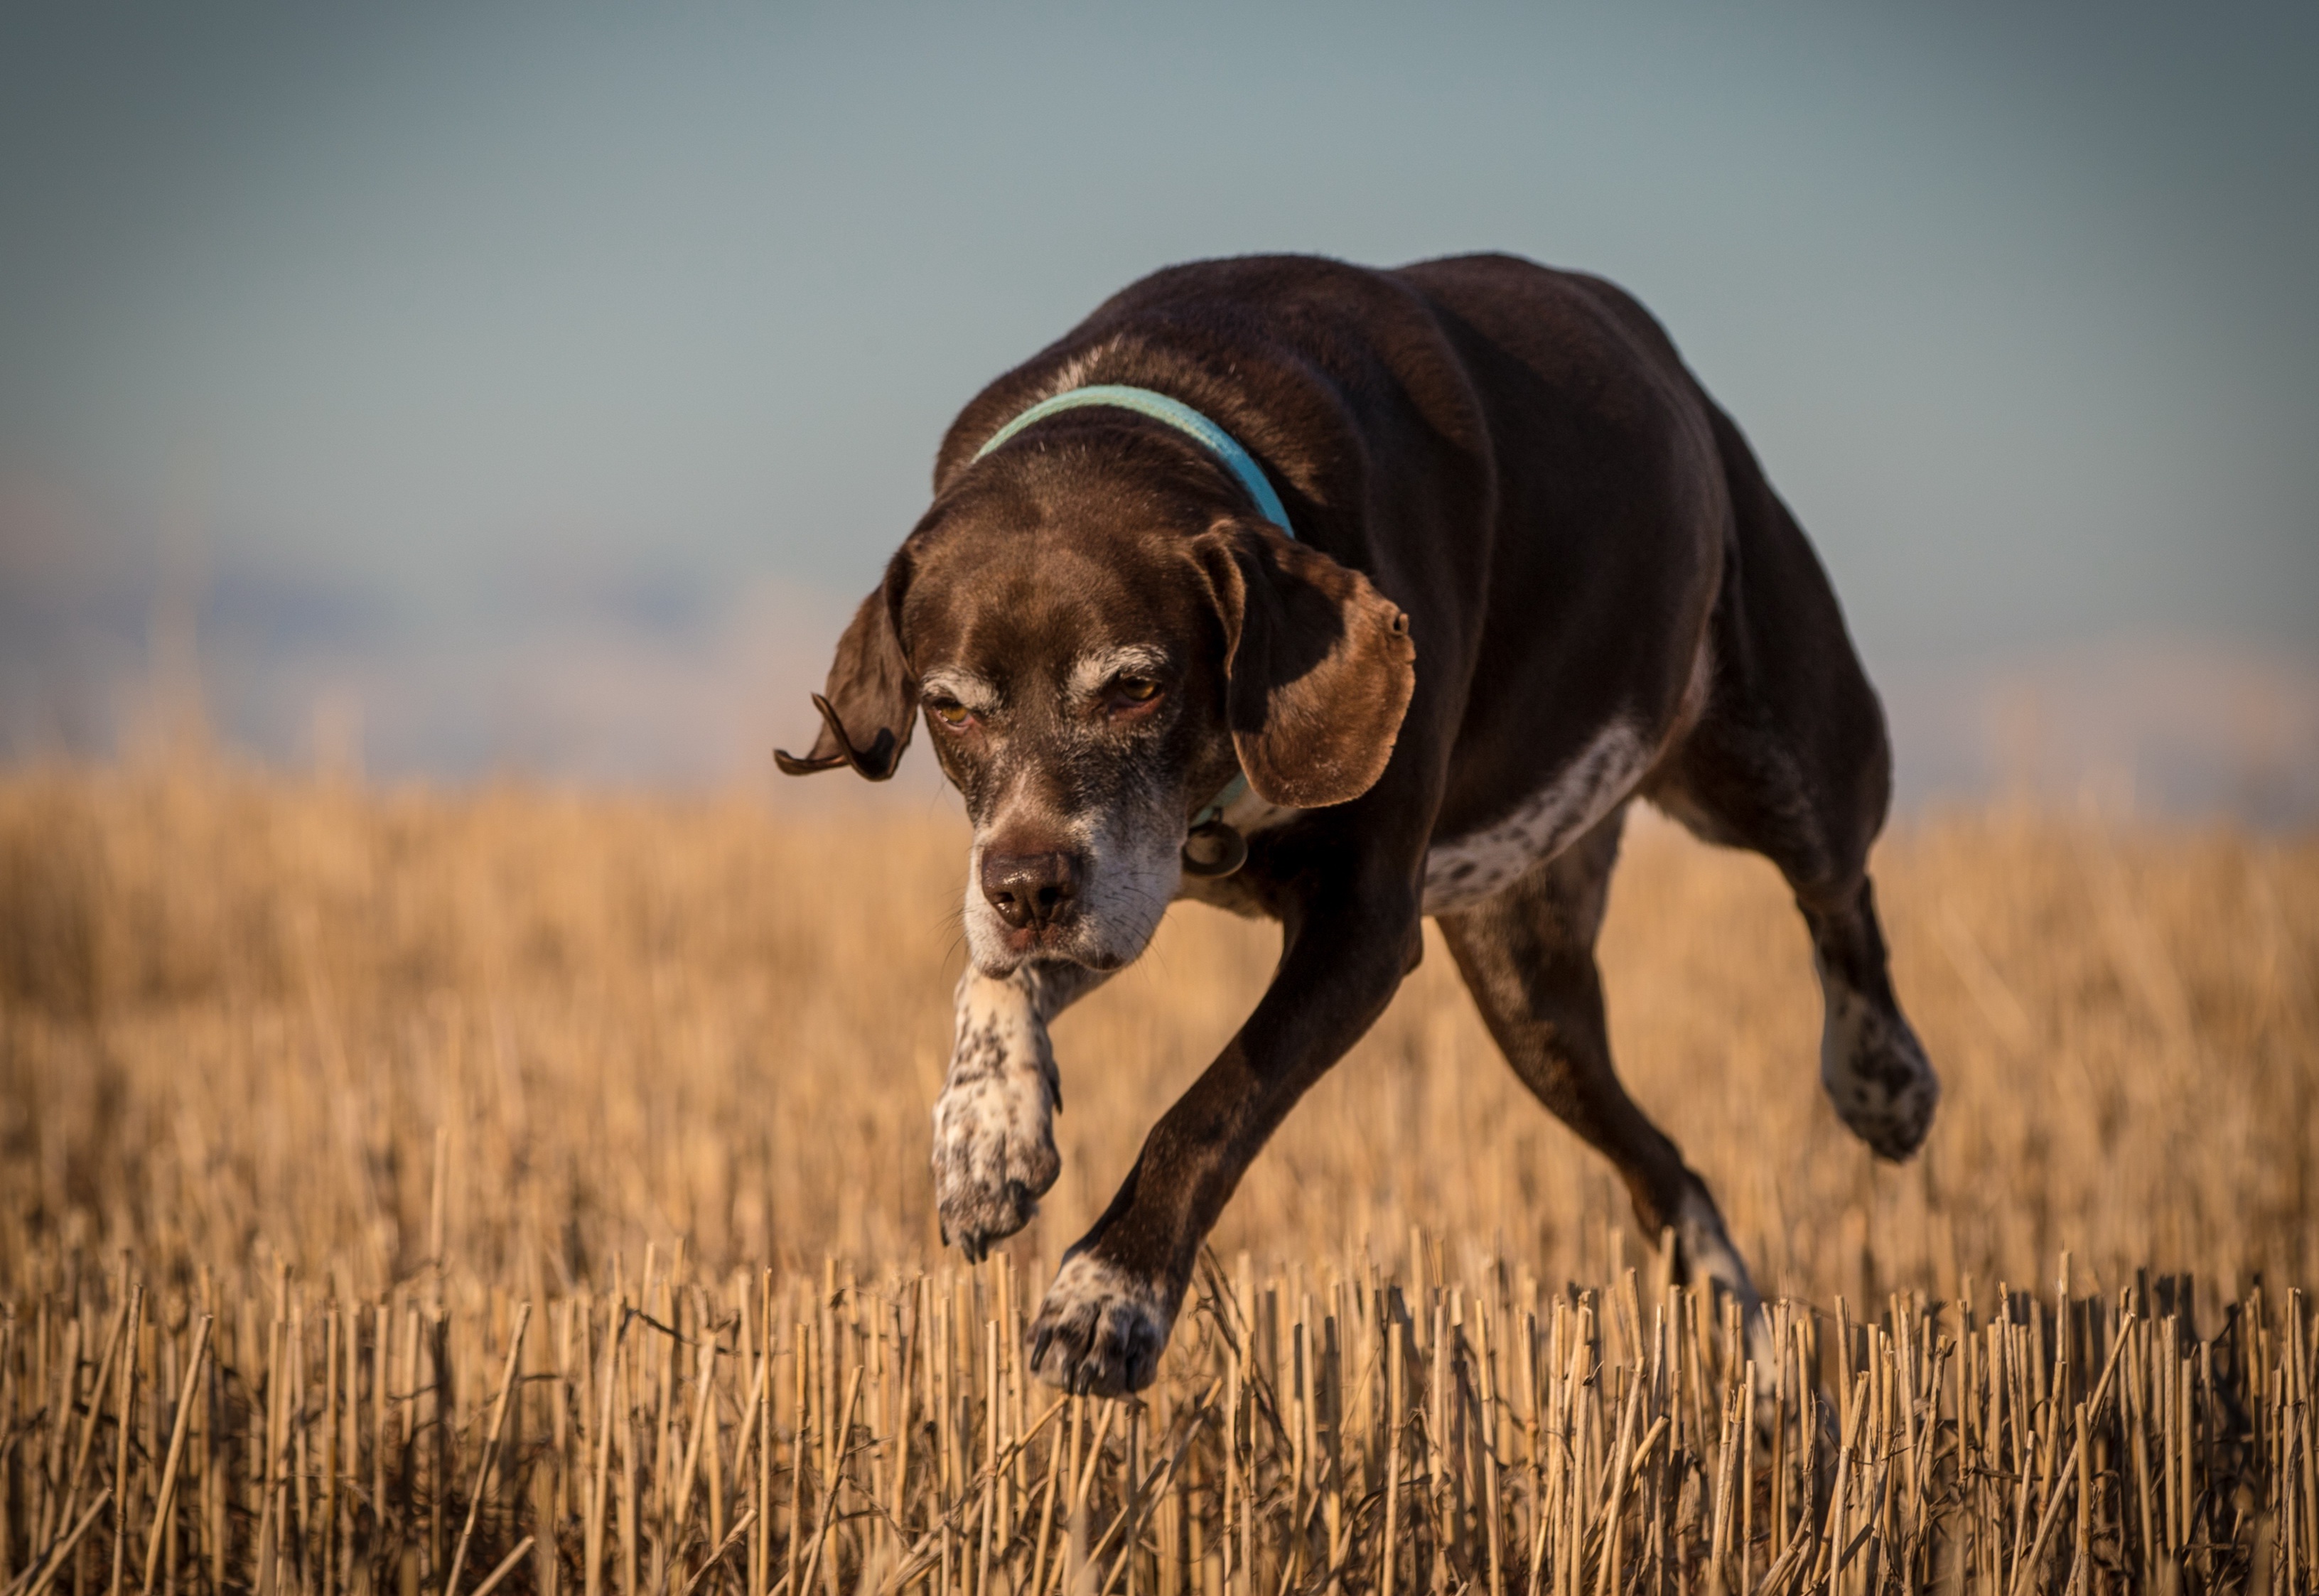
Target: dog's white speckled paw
[
  {"x": 1877, "y": 1075},
  {"x": 994, "y": 1158},
  {"x": 1101, "y": 1330}
]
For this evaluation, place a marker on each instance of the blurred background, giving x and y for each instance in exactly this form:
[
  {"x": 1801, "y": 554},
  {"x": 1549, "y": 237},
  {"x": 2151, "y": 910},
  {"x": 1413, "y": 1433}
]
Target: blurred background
[{"x": 436, "y": 392}]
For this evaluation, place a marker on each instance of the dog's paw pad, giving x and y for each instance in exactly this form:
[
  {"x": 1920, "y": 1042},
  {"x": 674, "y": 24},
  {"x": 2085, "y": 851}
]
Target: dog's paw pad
[
  {"x": 994, "y": 1158},
  {"x": 1101, "y": 1330}
]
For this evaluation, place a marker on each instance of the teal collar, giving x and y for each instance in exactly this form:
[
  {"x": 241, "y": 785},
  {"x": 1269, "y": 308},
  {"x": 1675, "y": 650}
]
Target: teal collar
[
  {"x": 1234, "y": 791},
  {"x": 1242, "y": 465},
  {"x": 1175, "y": 413}
]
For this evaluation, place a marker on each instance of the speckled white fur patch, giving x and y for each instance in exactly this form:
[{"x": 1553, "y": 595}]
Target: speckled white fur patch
[
  {"x": 1091, "y": 673},
  {"x": 1713, "y": 1259},
  {"x": 1707, "y": 1249},
  {"x": 1130, "y": 865},
  {"x": 1462, "y": 872},
  {"x": 994, "y": 1148},
  {"x": 1874, "y": 1070},
  {"x": 964, "y": 686},
  {"x": 1100, "y": 1329}
]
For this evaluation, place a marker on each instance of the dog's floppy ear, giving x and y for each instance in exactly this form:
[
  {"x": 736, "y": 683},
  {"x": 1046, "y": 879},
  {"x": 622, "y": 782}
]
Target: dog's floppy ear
[
  {"x": 871, "y": 703},
  {"x": 1319, "y": 666}
]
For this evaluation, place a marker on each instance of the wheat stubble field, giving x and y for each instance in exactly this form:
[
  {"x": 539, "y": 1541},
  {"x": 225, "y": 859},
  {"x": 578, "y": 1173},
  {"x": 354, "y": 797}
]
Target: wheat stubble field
[{"x": 511, "y": 1191}]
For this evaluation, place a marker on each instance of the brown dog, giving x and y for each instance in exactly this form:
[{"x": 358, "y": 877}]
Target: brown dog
[{"x": 1534, "y": 575}]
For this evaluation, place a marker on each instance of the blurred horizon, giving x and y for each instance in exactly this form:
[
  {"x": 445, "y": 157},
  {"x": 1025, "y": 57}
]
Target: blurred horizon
[{"x": 453, "y": 392}]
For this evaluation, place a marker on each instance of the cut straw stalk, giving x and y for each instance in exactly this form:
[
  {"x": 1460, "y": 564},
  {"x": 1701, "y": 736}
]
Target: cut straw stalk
[
  {"x": 97, "y": 1390},
  {"x": 45, "y": 1570},
  {"x": 2025, "y": 1571},
  {"x": 1679, "y": 1500},
  {"x": 507, "y": 1565},
  {"x": 733, "y": 1538},
  {"x": 836, "y": 1478},
  {"x": 1132, "y": 1513},
  {"x": 490, "y": 1450},
  {"x": 167, "y": 1494}
]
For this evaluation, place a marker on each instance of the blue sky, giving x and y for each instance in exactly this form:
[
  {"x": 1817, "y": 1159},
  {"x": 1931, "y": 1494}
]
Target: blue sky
[{"x": 538, "y": 379}]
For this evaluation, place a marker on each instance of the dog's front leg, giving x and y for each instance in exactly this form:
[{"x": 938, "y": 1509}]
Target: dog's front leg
[
  {"x": 994, "y": 1137},
  {"x": 1107, "y": 1316}
]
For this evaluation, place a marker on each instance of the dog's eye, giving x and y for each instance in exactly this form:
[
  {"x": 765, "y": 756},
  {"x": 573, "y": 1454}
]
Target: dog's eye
[
  {"x": 951, "y": 712},
  {"x": 1136, "y": 690}
]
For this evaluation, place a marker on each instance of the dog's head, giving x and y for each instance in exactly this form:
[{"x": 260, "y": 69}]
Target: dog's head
[{"x": 1096, "y": 654}]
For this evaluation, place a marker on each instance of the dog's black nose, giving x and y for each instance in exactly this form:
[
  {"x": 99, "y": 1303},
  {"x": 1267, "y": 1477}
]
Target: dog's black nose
[{"x": 1031, "y": 889}]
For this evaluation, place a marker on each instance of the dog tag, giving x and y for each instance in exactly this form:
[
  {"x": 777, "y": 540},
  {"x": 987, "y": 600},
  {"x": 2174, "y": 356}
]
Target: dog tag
[{"x": 1214, "y": 850}]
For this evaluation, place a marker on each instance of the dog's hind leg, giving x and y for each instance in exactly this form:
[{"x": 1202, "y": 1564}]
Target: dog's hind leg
[
  {"x": 994, "y": 1136},
  {"x": 1788, "y": 758},
  {"x": 1528, "y": 957}
]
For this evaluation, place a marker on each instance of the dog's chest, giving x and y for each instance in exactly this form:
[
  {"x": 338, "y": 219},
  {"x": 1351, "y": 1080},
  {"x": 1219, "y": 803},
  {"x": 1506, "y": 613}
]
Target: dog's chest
[{"x": 1464, "y": 870}]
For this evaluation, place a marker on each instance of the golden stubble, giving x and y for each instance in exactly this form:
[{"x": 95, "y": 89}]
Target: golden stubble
[{"x": 359, "y": 1072}]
